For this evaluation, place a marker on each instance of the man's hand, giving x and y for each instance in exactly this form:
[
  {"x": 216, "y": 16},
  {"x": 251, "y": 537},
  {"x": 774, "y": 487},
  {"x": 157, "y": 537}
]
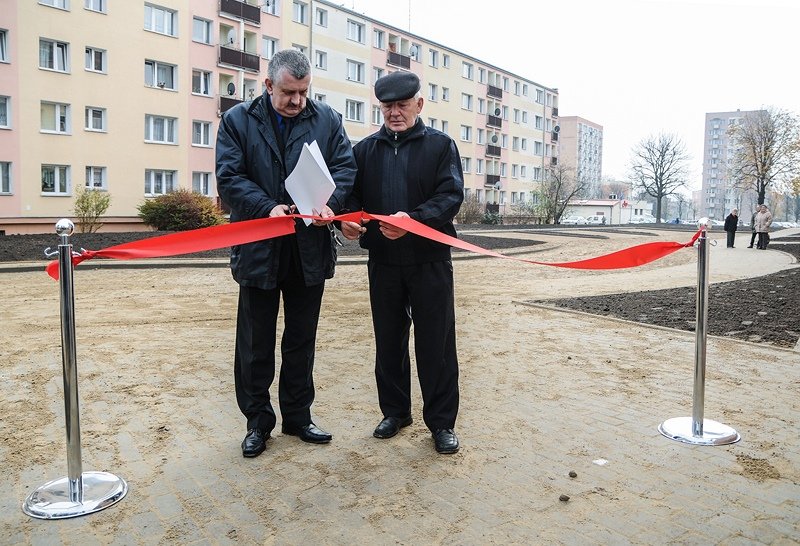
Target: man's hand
[
  {"x": 352, "y": 230},
  {"x": 326, "y": 212},
  {"x": 281, "y": 210},
  {"x": 391, "y": 232}
]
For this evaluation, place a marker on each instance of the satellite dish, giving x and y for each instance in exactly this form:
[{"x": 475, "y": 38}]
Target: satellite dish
[
  {"x": 497, "y": 185},
  {"x": 497, "y": 111},
  {"x": 494, "y": 139},
  {"x": 231, "y": 89},
  {"x": 412, "y": 51},
  {"x": 556, "y": 129},
  {"x": 231, "y": 36}
]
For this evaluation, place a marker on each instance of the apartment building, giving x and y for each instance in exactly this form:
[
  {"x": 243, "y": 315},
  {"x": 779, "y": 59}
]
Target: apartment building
[
  {"x": 581, "y": 148},
  {"x": 718, "y": 194},
  {"x": 126, "y": 97}
]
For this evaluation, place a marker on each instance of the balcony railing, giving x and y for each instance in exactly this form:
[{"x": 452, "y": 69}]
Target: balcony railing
[
  {"x": 226, "y": 103},
  {"x": 236, "y": 57},
  {"x": 494, "y": 92},
  {"x": 396, "y": 59},
  {"x": 493, "y": 151},
  {"x": 494, "y": 121},
  {"x": 492, "y": 180},
  {"x": 241, "y": 10}
]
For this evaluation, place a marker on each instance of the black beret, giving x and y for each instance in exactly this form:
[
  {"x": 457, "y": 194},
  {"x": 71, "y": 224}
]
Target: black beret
[{"x": 396, "y": 86}]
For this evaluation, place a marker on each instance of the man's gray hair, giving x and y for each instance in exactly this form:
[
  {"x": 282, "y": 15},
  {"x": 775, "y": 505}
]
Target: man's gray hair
[{"x": 290, "y": 60}]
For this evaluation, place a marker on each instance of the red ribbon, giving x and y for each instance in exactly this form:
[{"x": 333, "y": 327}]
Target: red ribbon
[{"x": 237, "y": 233}]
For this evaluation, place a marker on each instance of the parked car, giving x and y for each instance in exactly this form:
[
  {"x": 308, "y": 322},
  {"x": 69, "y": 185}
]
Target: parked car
[
  {"x": 596, "y": 220},
  {"x": 642, "y": 220},
  {"x": 574, "y": 221}
]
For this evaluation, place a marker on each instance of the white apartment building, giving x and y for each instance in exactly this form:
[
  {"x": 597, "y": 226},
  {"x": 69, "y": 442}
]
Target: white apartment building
[{"x": 581, "y": 147}]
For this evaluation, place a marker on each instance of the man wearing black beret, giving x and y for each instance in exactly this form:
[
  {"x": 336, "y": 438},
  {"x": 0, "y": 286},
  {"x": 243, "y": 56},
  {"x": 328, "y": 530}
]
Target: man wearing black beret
[{"x": 409, "y": 170}]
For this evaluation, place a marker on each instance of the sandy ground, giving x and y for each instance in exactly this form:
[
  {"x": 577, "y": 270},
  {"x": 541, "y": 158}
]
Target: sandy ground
[{"x": 158, "y": 407}]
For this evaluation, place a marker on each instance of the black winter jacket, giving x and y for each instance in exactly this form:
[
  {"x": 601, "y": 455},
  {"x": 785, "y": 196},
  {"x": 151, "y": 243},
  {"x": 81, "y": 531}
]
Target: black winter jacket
[
  {"x": 418, "y": 173},
  {"x": 251, "y": 176}
]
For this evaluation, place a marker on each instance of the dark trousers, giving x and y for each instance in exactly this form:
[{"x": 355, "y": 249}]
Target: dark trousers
[
  {"x": 753, "y": 238},
  {"x": 763, "y": 240},
  {"x": 422, "y": 295},
  {"x": 254, "y": 360},
  {"x": 731, "y": 237}
]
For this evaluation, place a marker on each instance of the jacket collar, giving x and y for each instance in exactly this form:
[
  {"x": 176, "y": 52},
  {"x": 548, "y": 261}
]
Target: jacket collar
[{"x": 416, "y": 131}]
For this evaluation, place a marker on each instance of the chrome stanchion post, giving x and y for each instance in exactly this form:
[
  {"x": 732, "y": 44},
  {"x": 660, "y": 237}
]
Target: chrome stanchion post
[
  {"x": 79, "y": 492},
  {"x": 696, "y": 429}
]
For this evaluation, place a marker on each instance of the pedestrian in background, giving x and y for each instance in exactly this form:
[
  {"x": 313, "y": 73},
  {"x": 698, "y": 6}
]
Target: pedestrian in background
[
  {"x": 731, "y": 223},
  {"x": 753, "y": 227},
  {"x": 763, "y": 222}
]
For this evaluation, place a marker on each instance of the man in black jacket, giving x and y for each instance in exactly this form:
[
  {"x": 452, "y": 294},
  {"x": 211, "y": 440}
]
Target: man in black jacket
[
  {"x": 731, "y": 223},
  {"x": 409, "y": 170},
  {"x": 258, "y": 145}
]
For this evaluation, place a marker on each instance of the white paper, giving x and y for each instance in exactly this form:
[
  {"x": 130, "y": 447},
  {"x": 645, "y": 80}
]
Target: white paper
[{"x": 310, "y": 183}]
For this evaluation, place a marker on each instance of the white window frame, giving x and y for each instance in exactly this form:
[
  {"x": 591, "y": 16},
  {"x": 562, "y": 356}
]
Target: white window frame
[
  {"x": 4, "y": 57},
  {"x": 204, "y": 80},
  {"x": 152, "y": 68},
  {"x": 445, "y": 126},
  {"x": 61, "y": 179},
  {"x": 5, "y": 112},
  {"x": 466, "y": 133},
  {"x": 433, "y": 123},
  {"x": 354, "y": 110},
  {"x": 319, "y": 97},
  {"x": 6, "y": 183},
  {"x": 151, "y": 177},
  {"x": 95, "y": 174},
  {"x": 95, "y": 5},
  {"x": 446, "y": 94},
  {"x": 201, "y": 30},
  {"x": 58, "y": 4},
  {"x": 89, "y": 119},
  {"x": 62, "y": 118},
  {"x": 57, "y": 55},
  {"x": 300, "y": 12},
  {"x": 467, "y": 70},
  {"x": 466, "y": 164},
  {"x": 433, "y": 92},
  {"x": 433, "y": 58},
  {"x": 160, "y": 20},
  {"x": 91, "y": 57},
  {"x": 377, "y": 115},
  {"x": 379, "y": 39},
  {"x": 201, "y": 133},
  {"x": 466, "y": 101},
  {"x": 446, "y": 60},
  {"x": 321, "y": 17},
  {"x": 270, "y": 7},
  {"x": 415, "y": 52},
  {"x": 201, "y": 182},
  {"x": 479, "y": 166},
  {"x": 269, "y": 46},
  {"x": 377, "y": 73},
  {"x": 169, "y": 126},
  {"x": 355, "y": 71},
  {"x": 321, "y": 60},
  {"x": 356, "y": 31}
]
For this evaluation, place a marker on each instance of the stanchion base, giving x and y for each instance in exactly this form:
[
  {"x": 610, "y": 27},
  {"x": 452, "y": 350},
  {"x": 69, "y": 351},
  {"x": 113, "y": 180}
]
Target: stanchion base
[
  {"x": 52, "y": 500},
  {"x": 714, "y": 434}
]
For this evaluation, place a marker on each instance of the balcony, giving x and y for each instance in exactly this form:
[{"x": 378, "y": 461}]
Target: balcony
[
  {"x": 555, "y": 111},
  {"x": 242, "y": 59},
  {"x": 226, "y": 103},
  {"x": 553, "y": 137},
  {"x": 241, "y": 10},
  {"x": 554, "y": 161},
  {"x": 492, "y": 180},
  {"x": 396, "y": 59},
  {"x": 494, "y": 121},
  {"x": 494, "y": 92},
  {"x": 493, "y": 151}
]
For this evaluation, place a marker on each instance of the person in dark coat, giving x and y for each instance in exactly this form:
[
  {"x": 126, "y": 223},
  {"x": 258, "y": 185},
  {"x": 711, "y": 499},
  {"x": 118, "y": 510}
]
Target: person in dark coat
[
  {"x": 258, "y": 146},
  {"x": 409, "y": 170},
  {"x": 731, "y": 223}
]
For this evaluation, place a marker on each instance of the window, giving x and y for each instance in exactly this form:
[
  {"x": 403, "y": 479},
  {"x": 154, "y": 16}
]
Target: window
[
  {"x": 158, "y": 182},
  {"x": 3, "y": 45},
  {"x": 5, "y": 112},
  {"x": 537, "y": 147},
  {"x": 201, "y": 82},
  {"x": 354, "y": 110},
  {"x": 53, "y": 55},
  {"x": 159, "y": 129},
  {"x": 377, "y": 73},
  {"x": 481, "y": 136},
  {"x": 5, "y": 177},
  {"x": 95, "y": 59},
  {"x": 538, "y": 122},
  {"x": 55, "y": 118},
  {"x": 301, "y": 48},
  {"x": 479, "y": 166},
  {"x": 522, "y": 173},
  {"x": 63, "y": 4},
  {"x": 466, "y": 101},
  {"x": 433, "y": 92},
  {"x": 481, "y": 106},
  {"x": 95, "y": 178},
  {"x": 504, "y": 141},
  {"x": 322, "y": 17},
  {"x": 322, "y": 60},
  {"x": 466, "y": 70},
  {"x": 300, "y": 12},
  {"x": 415, "y": 52},
  {"x": 524, "y": 145},
  {"x": 445, "y": 93},
  {"x": 524, "y": 116},
  {"x": 516, "y": 115},
  {"x": 503, "y": 170},
  {"x": 465, "y": 164},
  {"x": 524, "y": 89},
  {"x": 540, "y": 96},
  {"x": 445, "y": 126},
  {"x": 270, "y": 7},
  {"x": 446, "y": 60},
  {"x": 95, "y": 119},
  {"x": 55, "y": 179},
  {"x": 269, "y": 46},
  {"x": 379, "y": 39},
  {"x": 505, "y": 83},
  {"x": 432, "y": 123},
  {"x": 201, "y": 30},
  {"x": 466, "y": 133},
  {"x": 377, "y": 115},
  {"x": 201, "y": 183},
  {"x": 481, "y": 75},
  {"x": 515, "y": 143},
  {"x": 201, "y": 133},
  {"x": 514, "y": 170},
  {"x": 355, "y": 31},
  {"x": 433, "y": 58},
  {"x": 161, "y": 20},
  {"x": 516, "y": 87},
  {"x": 319, "y": 97},
  {"x": 537, "y": 173},
  {"x": 355, "y": 71},
  {"x": 95, "y": 5},
  {"x": 158, "y": 74},
  {"x": 505, "y": 113}
]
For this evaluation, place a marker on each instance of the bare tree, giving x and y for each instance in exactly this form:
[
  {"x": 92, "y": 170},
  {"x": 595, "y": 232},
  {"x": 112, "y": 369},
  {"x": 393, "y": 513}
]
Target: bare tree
[
  {"x": 767, "y": 150},
  {"x": 658, "y": 167},
  {"x": 559, "y": 186}
]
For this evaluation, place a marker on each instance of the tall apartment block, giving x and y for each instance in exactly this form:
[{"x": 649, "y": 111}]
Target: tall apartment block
[
  {"x": 126, "y": 97},
  {"x": 581, "y": 148},
  {"x": 718, "y": 196}
]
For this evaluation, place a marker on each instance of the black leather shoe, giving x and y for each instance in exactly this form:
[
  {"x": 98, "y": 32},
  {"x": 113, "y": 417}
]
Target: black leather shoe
[
  {"x": 254, "y": 443},
  {"x": 308, "y": 433},
  {"x": 446, "y": 440},
  {"x": 391, "y": 426}
]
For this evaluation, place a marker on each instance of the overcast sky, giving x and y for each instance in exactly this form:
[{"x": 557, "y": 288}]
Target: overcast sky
[{"x": 636, "y": 67}]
